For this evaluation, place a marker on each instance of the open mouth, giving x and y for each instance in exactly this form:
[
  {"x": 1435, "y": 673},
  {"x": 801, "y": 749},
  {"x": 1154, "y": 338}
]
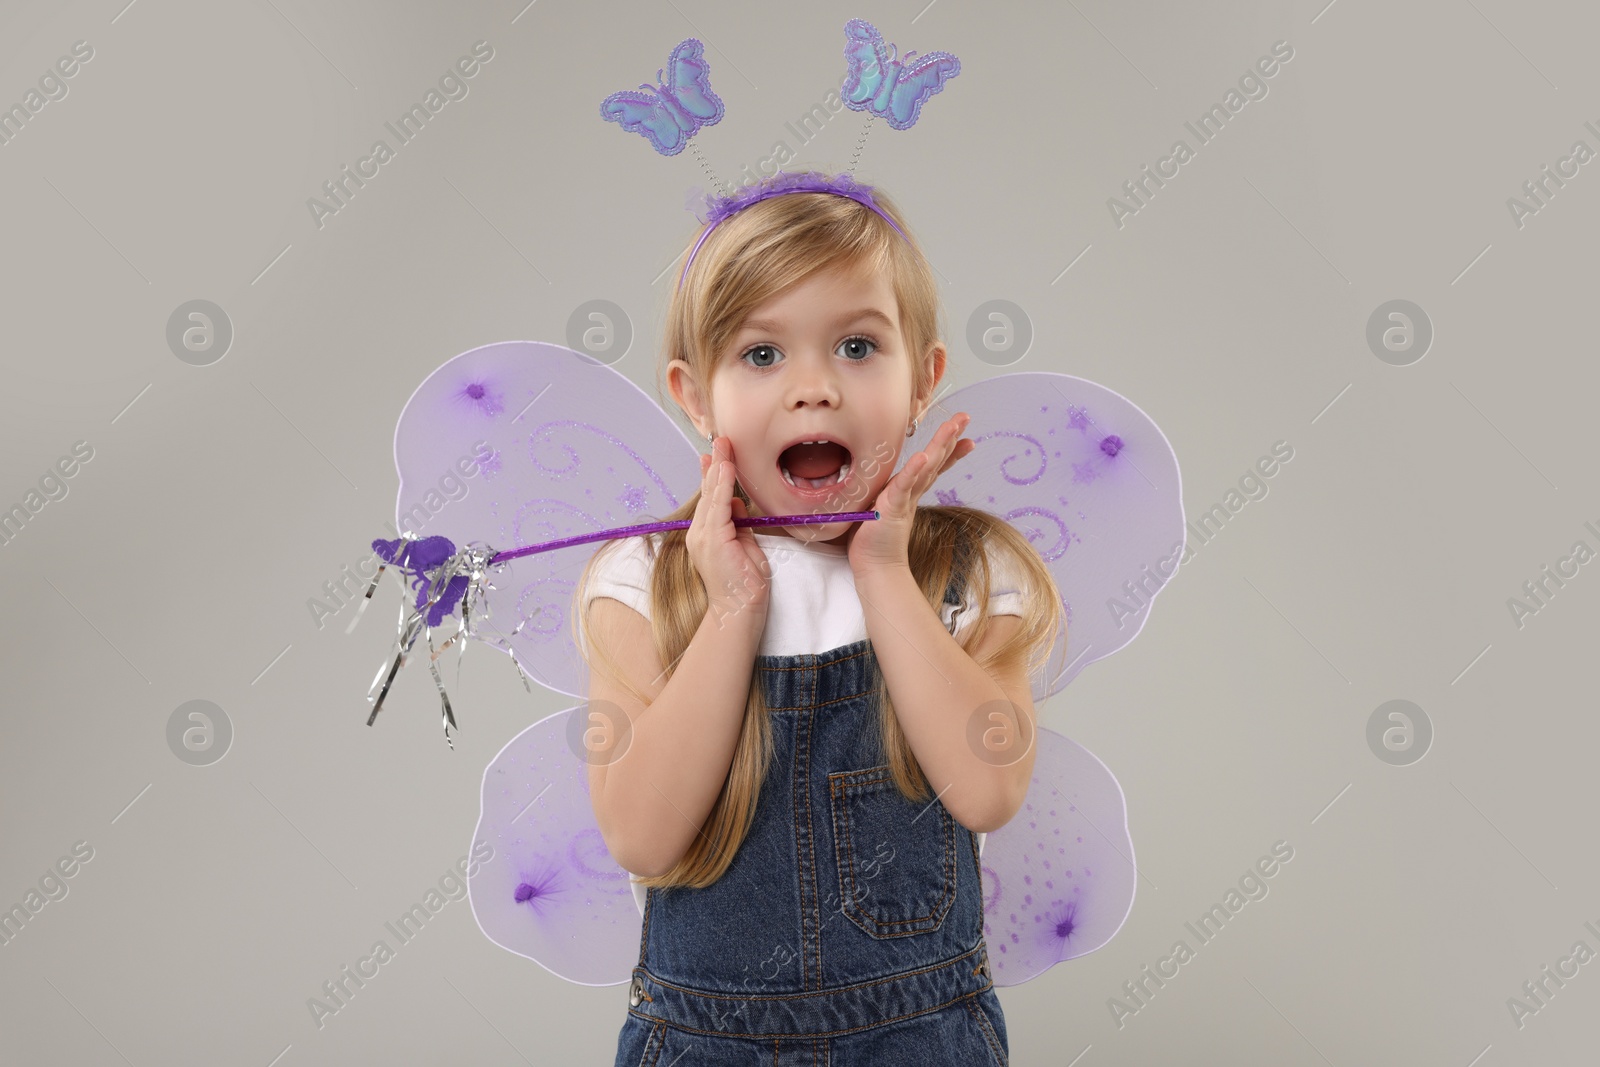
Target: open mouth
[{"x": 814, "y": 466}]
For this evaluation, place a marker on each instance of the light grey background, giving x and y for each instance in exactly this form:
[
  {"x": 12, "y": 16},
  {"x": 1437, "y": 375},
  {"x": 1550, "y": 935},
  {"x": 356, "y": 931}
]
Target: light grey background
[{"x": 1232, "y": 308}]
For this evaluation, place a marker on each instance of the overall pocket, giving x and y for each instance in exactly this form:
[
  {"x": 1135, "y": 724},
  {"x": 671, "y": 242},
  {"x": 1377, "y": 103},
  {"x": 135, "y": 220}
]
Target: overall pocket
[{"x": 896, "y": 859}]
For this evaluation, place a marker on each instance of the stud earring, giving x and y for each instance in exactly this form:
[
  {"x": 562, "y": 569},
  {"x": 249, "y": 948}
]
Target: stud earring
[{"x": 913, "y": 431}]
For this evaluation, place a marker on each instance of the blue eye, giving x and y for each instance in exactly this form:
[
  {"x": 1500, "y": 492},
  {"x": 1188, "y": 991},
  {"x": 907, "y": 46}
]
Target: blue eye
[
  {"x": 758, "y": 348},
  {"x": 859, "y": 339}
]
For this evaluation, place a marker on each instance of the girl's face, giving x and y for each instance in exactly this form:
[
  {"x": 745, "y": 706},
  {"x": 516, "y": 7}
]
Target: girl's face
[{"x": 824, "y": 360}]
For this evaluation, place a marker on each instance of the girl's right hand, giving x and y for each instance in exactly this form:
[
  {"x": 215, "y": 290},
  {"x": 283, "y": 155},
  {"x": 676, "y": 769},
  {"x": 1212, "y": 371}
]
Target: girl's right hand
[{"x": 731, "y": 564}]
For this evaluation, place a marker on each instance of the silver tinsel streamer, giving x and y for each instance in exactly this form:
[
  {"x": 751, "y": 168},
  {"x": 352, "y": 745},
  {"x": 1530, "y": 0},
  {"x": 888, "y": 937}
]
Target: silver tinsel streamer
[{"x": 472, "y": 562}]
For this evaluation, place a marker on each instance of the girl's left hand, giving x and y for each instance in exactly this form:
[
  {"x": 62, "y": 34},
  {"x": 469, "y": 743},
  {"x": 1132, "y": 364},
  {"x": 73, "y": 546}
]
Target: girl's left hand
[{"x": 884, "y": 541}]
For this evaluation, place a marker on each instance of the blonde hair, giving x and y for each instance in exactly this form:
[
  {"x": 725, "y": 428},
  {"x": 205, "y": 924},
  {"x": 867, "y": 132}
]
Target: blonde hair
[{"x": 751, "y": 257}]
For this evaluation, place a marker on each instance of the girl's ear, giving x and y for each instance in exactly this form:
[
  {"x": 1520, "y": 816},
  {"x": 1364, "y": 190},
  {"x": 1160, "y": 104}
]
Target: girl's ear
[
  {"x": 680, "y": 381},
  {"x": 935, "y": 362}
]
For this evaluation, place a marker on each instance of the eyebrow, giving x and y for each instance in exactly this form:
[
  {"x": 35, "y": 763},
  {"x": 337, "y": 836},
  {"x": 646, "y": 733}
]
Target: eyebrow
[{"x": 773, "y": 326}]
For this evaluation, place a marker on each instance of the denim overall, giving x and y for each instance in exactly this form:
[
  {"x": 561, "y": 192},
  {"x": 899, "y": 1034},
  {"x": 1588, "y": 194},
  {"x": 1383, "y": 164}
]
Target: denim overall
[{"x": 847, "y": 931}]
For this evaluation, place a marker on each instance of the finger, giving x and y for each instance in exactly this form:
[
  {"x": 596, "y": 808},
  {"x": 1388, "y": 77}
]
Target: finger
[
  {"x": 910, "y": 489},
  {"x": 731, "y": 504},
  {"x": 722, "y": 508},
  {"x": 958, "y": 453},
  {"x": 959, "y": 448},
  {"x": 710, "y": 458},
  {"x": 926, "y": 476},
  {"x": 937, "y": 464},
  {"x": 707, "y": 490},
  {"x": 955, "y": 427},
  {"x": 900, "y": 485},
  {"x": 942, "y": 450},
  {"x": 935, "y": 453},
  {"x": 719, "y": 456},
  {"x": 737, "y": 511},
  {"x": 730, "y": 469}
]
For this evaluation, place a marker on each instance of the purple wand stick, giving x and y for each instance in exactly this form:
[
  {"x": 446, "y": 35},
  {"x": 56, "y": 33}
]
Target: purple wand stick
[{"x": 681, "y": 524}]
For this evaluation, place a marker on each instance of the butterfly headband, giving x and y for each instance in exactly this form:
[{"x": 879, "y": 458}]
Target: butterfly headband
[{"x": 671, "y": 112}]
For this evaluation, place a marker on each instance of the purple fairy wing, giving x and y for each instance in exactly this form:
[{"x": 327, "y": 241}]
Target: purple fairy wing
[
  {"x": 522, "y": 442},
  {"x": 1058, "y": 879},
  {"x": 1092, "y": 483},
  {"x": 551, "y": 892}
]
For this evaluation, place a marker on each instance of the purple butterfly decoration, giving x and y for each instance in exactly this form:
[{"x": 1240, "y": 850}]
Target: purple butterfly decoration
[
  {"x": 894, "y": 89},
  {"x": 417, "y": 559},
  {"x": 670, "y": 113}
]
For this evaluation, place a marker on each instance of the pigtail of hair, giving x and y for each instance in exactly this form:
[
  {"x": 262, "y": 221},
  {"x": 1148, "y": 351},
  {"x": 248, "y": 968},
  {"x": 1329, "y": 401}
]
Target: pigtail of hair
[{"x": 678, "y": 604}]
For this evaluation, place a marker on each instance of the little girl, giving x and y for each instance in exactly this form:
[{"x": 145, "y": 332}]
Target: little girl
[{"x": 814, "y": 725}]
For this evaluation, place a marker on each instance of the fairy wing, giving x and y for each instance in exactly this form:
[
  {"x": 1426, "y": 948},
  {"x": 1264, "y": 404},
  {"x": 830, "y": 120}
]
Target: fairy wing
[
  {"x": 552, "y": 892},
  {"x": 1093, "y": 484},
  {"x": 563, "y": 445},
  {"x": 1058, "y": 879}
]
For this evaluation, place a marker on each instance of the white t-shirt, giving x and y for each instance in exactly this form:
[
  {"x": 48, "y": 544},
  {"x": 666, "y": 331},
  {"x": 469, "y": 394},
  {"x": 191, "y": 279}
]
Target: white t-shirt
[{"x": 812, "y": 604}]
